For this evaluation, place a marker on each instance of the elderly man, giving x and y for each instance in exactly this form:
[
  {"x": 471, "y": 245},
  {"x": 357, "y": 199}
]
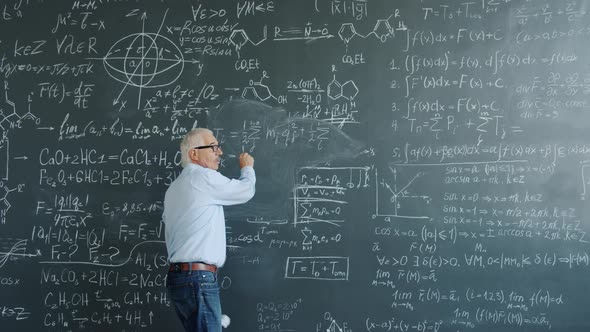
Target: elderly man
[{"x": 195, "y": 228}]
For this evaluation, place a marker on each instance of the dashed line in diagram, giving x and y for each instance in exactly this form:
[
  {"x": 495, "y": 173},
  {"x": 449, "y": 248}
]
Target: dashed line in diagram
[{"x": 398, "y": 195}]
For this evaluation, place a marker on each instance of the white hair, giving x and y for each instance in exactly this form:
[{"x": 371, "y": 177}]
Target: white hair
[{"x": 192, "y": 139}]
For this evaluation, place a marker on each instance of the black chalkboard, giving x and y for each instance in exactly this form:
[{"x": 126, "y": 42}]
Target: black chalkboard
[{"x": 421, "y": 165}]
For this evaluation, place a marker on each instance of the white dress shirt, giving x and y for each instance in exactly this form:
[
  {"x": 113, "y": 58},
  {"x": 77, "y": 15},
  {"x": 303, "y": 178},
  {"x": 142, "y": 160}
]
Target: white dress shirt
[{"x": 193, "y": 212}]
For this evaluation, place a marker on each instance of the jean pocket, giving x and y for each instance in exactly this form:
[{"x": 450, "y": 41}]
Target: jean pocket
[
  {"x": 184, "y": 298},
  {"x": 208, "y": 280}
]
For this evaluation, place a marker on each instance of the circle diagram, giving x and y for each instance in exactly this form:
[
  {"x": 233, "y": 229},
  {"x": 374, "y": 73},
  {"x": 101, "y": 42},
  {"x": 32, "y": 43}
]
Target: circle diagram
[{"x": 144, "y": 60}]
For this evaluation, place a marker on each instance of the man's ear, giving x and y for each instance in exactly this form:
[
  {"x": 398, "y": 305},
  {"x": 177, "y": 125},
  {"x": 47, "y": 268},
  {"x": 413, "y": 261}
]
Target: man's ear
[{"x": 193, "y": 155}]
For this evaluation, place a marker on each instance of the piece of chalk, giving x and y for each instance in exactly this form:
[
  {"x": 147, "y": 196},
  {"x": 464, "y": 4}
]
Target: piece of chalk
[{"x": 225, "y": 321}]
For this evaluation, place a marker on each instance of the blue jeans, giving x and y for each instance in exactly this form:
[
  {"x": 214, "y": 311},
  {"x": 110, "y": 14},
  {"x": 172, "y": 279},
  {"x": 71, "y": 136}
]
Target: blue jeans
[{"x": 195, "y": 295}]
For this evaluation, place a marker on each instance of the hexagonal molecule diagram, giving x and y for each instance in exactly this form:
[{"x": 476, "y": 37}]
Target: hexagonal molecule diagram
[{"x": 336, "y": 90}]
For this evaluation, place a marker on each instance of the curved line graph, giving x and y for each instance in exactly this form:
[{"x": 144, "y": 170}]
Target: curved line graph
[{"x": 17, "y": 250}]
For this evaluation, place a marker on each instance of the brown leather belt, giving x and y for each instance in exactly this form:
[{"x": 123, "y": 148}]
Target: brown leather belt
[{"x": 192, "y": 267}]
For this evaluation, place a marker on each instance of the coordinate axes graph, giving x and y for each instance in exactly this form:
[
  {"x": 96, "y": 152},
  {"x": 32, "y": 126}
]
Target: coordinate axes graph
[
  {"x": 398, "y": 199},
  {"x": 144, "y": 60}
]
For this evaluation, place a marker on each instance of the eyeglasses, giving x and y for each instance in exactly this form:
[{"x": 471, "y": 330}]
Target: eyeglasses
[{"x": 214, "y": 147}]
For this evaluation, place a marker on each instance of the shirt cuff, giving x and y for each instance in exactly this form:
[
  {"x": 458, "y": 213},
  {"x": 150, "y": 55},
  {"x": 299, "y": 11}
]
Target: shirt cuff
[{"x": 247, "y": 171}]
